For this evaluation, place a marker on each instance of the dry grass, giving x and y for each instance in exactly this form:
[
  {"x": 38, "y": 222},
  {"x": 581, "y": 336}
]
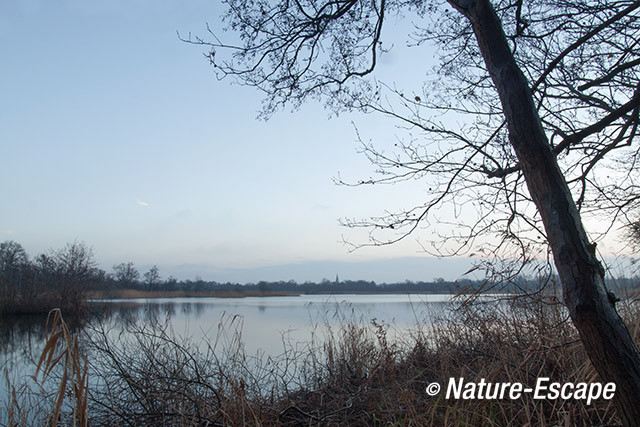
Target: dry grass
[
  {"x": 72, "y": 302},
  {"x": 137, "y": 293},
  {"x": 74, "y": 379},
  {"x": 62, "y": 364},
  {"x": 355, "y": 375}
]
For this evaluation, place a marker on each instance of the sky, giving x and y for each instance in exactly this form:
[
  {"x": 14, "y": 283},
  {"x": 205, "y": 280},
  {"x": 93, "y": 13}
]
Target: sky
[{"x": 115, "y": 133}]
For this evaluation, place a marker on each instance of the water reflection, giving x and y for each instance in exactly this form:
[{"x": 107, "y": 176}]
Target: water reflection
[
  {"x": 16, "y": 331},
  {"x": 268, "y": 325},
  {"x": 265, "y": 320}
]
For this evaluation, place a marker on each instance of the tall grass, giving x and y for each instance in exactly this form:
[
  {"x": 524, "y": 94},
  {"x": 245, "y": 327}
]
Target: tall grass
[
  {"x": 356, "y": 374},
  {"x": 139, "y": 293},
  {"x": 61, "y": 361}
]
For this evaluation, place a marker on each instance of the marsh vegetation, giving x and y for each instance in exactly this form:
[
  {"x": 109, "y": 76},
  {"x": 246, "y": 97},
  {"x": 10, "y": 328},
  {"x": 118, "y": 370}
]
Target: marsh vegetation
[{"x": 356, "y": 372}]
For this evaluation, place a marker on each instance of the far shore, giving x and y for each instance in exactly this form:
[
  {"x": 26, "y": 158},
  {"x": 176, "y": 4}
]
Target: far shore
[
  {"x": 137, "y": 293},
  {"x": 141, "y": 294}
]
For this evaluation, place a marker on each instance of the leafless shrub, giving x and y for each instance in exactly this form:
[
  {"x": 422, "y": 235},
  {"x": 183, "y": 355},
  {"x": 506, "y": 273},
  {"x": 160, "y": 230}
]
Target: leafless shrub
[
  {"x": 58, "y": 391},
  {"x": 351, "y": 373}
]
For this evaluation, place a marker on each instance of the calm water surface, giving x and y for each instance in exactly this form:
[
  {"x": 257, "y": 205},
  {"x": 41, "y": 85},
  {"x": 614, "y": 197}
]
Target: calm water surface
[
  {"x": 266, "y": 323},
  {"x": 265, "y": 320}
]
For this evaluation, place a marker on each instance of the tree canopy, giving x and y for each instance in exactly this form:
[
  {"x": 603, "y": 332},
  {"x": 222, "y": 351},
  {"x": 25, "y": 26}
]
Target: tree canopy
[
  {"x": 531, "y": 123},
  {"x": 580, "y": 58}
]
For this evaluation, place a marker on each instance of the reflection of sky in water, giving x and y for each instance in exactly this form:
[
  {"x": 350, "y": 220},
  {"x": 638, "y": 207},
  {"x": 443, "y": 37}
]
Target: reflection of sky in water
[
  {"x": 267, "y": 323},
  {"x": 265, "y": 320}
]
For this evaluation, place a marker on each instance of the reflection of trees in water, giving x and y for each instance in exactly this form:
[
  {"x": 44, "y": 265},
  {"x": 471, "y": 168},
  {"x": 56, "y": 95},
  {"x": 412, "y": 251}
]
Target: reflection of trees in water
[
  {"x": 19, "y": 334},
  {"x": 154, "y": 311},
  {"x": 128, "y": 311},
  {"x": 191, "y": 308},
  {"x": 187, "y": 307},
  {"x": 121, "y": 311},
  {"x": 200, "y": 308},
  {"x": 23, "y": 336}
]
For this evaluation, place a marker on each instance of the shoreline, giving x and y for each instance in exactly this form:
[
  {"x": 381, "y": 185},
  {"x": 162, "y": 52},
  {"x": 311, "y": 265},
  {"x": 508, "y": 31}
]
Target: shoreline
[
  {"x": 137, "y": 294},
  {"x": 140, "y": 294}
]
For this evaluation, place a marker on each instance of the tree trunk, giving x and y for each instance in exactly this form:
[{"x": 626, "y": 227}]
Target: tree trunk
[{"x": 605, "y": 337}]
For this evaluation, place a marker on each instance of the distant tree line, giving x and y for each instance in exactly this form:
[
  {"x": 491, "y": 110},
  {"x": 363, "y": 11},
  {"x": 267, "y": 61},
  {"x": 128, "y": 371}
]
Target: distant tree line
[
  {"x": 59, "y": 278},
  {"x": 64, "y": 278}
]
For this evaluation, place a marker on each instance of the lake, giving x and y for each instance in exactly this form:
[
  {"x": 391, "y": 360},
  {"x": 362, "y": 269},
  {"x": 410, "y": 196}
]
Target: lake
[
  {"x": 265, "y": 320},
  {"x": 267, "y": 324}
]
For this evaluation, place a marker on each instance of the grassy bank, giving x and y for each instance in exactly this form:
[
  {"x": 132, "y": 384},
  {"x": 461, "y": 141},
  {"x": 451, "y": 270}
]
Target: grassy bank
[
  {"x": 73, "y": 302},
  {"x": 355, "y": 375},
  {"x": 137, "y": 293}
]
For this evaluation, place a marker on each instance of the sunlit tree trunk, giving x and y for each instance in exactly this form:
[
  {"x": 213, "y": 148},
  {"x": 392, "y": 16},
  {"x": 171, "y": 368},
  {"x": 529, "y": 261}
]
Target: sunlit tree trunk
[{"x": 605, "y": 337}]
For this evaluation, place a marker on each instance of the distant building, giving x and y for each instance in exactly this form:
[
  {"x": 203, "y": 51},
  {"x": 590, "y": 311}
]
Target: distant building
[{"x": 337, "y": 280}]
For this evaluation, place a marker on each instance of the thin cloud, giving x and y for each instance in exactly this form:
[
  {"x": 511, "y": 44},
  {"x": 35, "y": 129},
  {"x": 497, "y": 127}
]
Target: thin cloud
[
  {"x": 141, "y": 203},
  {"x": 7, "y": 232}
]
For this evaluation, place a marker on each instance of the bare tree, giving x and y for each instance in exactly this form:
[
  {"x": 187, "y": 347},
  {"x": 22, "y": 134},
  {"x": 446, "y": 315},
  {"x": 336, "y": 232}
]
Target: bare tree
[
  {"x": 12, "y": 256},
  {"x": 547, "y": 94},
  {"x": 152, "y": 278},
  {"x": 75, "y": 271},
  {"x": 126, "y": 275},
  {"x": 14, "y": 262},
  {"x": 633, "y": 233}
]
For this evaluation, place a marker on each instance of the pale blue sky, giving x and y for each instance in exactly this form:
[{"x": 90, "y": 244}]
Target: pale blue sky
[
  {"x": 116, "y": 133},
  {"x": 103, "y": 111}
]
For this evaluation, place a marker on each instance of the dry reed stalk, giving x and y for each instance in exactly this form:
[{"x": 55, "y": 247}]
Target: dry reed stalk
[
  {"x": 61, "y": 348},
  {"x": 356, "y": 375}
]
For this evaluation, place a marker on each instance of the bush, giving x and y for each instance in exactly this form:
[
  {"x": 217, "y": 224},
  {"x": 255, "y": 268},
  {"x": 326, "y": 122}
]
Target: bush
[
  {"x": 59, "y": 279},
  {"x": 356, "y": 374}
]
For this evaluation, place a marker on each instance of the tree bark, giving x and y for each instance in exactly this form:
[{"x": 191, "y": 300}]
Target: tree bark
[{"x": 606, "y": 339}]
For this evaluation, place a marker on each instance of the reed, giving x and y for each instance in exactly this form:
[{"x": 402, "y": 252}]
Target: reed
[
  {"x": 57, "y": 393},
  {"x": 353, "y": 374},
  {"x": 138, "y": 293},
  {"x": 61, "y": 348}
]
